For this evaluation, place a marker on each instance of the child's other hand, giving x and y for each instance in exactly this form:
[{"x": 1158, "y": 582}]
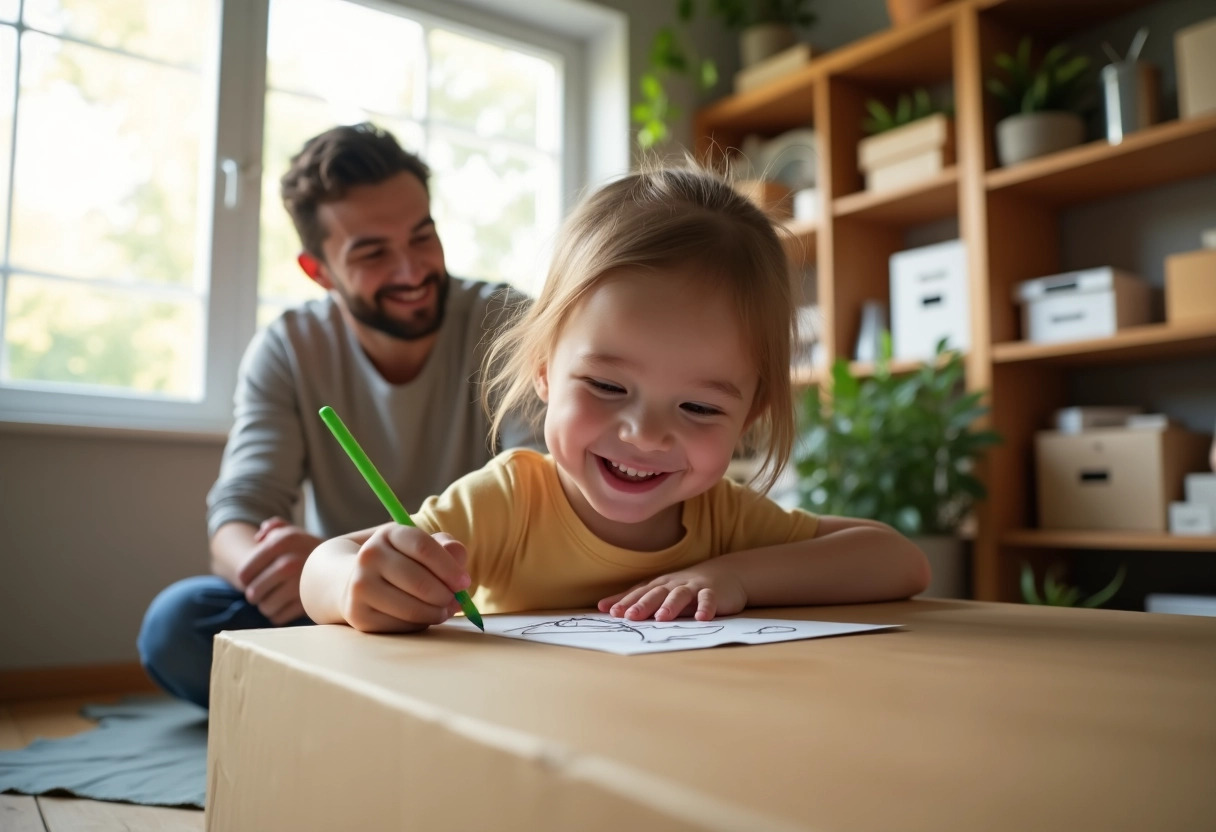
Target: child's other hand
[
  {"x": 704, "y": 591},
  {"x": 404, "y": 580}
]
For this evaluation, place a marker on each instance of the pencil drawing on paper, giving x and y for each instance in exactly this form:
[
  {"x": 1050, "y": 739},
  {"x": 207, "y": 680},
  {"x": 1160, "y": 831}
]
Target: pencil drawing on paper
[
  {"x": 769, "y": 630},
  {"x": 650, "y": 632}
]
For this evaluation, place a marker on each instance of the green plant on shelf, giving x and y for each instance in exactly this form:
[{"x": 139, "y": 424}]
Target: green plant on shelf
[
  {"x": 1058, "y": 82},
  {"x": 672, "y": 56},
  {"x": 895, "y": 448},
  {"x": 1059, "y": 594},
  {"x": 909, "y": 107}
]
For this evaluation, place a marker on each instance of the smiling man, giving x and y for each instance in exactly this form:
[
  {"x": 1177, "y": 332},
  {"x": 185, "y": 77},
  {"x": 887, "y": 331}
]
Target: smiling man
[{"x": 395, "y": 348}]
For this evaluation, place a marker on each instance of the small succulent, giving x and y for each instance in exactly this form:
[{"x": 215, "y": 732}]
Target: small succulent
[
  {"x": 1059, "y": 594},
  {"x": 908, "y": 108},
  {"x": 1058, "y": 83}
]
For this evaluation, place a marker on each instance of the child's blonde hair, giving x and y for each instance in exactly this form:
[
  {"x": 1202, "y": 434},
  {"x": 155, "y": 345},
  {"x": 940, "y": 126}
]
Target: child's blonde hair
[{"x": 684, "y": 217}]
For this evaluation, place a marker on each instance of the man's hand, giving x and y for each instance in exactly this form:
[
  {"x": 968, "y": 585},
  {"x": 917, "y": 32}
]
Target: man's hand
[{"x": 271, "y": 574}]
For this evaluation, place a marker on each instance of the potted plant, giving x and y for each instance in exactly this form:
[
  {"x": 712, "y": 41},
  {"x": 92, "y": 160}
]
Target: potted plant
[
  {"x": 765, "y": 26},
  {"x": 1040, "y": 103},
  {"x": 900, "y": 449},
  {"x": 1059, "y": 594},
  {"x": 906, "y": 143}
]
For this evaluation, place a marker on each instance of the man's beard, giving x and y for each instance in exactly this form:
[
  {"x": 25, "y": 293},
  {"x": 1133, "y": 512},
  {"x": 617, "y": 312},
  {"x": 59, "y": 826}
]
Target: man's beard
[{"x": 422, "y": 323}]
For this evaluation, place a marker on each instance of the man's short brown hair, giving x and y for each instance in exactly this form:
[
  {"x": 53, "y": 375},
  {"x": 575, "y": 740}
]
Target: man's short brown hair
[{"x": 335, "y": 161}]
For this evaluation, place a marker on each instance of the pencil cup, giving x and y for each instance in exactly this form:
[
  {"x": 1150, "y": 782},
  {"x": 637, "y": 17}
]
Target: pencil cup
[{"x": 1129, "y": 91}]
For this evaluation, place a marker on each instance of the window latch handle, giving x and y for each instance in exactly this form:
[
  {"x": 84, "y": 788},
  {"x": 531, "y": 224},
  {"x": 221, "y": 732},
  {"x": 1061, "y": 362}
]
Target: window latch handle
[{"x": 231, "y": 169}]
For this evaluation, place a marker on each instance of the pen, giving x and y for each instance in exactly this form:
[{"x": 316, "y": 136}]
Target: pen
[{"x": 386, "y": 495}]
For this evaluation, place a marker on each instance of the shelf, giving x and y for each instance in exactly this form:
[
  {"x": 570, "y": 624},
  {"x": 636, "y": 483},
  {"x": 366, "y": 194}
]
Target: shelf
[
  {"x": 1128, "y": 541},
  {"x": 1153, "y": 156},
  {"x": 784, "y": 104},
  {"x": 1135, "y": 343},
  {"x": 932, "y": 199},
  {"x": 807, "y": 377}
]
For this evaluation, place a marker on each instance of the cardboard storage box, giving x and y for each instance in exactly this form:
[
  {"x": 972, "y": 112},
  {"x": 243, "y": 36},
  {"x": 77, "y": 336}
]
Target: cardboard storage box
[
  {"x": 907, "y": 154},
  {"x": 1190, "y": 285},
  {"x": 1074, "y": 306},
  {"x": 1195, "y": 61},
  {"x": 929, "y": 300},
  {"x": 1113, "y": 478},
  {"x": 970, "y": 717}
]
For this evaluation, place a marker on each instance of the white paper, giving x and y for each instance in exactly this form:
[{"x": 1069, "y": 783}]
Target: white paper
[{"x": 595, "y": 631}]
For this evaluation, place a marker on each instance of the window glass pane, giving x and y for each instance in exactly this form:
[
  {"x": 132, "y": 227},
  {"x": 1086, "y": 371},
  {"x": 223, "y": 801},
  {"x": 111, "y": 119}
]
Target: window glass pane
[
  {"x": 290, "y": 121},
  {"x": 167, "y": 30},
  {"x": 504, "y": 232},
  {"x": 8, "y": 78},
  {"x": 69, "y": 332},
  {"x": 341, "y": 51},
  {"x": 128, "y": 194},
  {"x": 8, "y": 10},
  {"x": 492, "y": 90}
]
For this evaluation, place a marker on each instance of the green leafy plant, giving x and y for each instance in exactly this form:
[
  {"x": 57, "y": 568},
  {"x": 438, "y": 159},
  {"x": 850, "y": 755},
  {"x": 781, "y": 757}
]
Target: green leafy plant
[
  {"x": 1059, "y": 594},
  {"x": 1057, "y": 83},
  {"x": 671, "y": 56},
  {"x": 908, "y": 108},
  {"x": 895, "y": 448}
]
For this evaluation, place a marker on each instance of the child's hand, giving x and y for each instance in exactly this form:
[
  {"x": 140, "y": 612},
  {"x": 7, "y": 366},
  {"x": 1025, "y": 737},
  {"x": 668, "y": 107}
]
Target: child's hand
[
  {"x": 403, "y": 580},
  {"x": 705, "y": 591}
]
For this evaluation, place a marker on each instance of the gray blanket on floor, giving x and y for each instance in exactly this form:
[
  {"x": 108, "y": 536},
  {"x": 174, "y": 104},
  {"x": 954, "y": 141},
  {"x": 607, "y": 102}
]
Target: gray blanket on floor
[{"x": 146, "y": 749}]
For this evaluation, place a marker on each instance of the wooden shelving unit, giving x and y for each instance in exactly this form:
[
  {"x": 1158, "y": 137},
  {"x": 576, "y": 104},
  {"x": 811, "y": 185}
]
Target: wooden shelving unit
[
  {"x": 1125, "y": 541},
  {"x": 1008, "y": 218},
  {"x": 1146, "y": 342}
]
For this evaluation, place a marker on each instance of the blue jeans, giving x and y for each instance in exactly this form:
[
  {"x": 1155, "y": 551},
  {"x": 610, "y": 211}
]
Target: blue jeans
[{"x": 175, "y": 639}]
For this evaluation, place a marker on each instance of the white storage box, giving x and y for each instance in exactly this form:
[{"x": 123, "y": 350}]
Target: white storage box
[
  {"x": 1074, "y": 306},
  {"x": 929, "y": 300},
  {"x": 1201, "y": 488},
  {"x": 1191, "y": 519}
]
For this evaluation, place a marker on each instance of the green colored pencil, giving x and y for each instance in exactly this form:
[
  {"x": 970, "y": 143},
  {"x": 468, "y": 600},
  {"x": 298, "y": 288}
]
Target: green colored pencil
[{"x": 386, "y": 495}]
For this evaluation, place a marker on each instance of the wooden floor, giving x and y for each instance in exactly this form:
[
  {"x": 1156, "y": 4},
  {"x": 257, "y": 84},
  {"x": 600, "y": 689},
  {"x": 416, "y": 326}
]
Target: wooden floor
[{"x": 20, "y": 724}]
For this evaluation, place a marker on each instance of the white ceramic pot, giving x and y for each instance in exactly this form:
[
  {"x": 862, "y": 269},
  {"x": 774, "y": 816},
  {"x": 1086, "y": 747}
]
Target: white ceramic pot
[
  {"x": 1027, "y": 135},
  {"x": 763, "y": 40},
  {"x": 948, "y": 564}
]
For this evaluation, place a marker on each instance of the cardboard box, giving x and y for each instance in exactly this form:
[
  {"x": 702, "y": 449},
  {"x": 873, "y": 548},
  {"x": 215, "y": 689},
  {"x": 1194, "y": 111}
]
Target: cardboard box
[
  {"x": 770, "y": 69},
  {"x": 970, "y": 717},
  {"x": 907, "y": 172},
  {"x": 932, "y": 133},
  {"x": 1190, "y": 285},
  {"x": 1113, "y": 478},
  {"x": 929, "y": 300},
  {"x": 1195, "y": 61},
  {"x": 772, "y": 198},
  {"x": 1074, "y": 306}
]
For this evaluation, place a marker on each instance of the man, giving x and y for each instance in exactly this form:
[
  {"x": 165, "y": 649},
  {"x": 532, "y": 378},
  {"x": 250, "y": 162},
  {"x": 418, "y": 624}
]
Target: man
[{"x": 395, "y": 348}]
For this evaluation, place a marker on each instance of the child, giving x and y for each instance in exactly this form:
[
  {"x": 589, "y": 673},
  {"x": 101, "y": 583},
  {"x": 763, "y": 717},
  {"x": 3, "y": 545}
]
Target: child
[{"x": 661, "y": 336}]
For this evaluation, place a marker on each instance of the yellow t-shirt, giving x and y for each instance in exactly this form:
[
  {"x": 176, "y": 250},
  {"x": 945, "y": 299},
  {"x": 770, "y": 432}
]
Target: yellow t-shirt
[{"x": 528, "y": 550}]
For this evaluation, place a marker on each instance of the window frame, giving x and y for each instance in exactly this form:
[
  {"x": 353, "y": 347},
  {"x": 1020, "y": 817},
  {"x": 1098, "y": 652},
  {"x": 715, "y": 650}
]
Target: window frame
[{"x": 230, "y": 234}]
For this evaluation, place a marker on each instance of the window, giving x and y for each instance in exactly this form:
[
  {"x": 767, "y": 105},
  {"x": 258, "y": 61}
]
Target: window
[{"x": 141, "y": 143}]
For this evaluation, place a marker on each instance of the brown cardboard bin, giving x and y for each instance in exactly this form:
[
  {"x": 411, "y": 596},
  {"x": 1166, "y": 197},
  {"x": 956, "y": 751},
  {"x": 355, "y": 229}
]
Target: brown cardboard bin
[
  {"x": 1190, "y": 286},
  {"x": 1113, "y": 478},
  {"x": 975, "y": 716}
]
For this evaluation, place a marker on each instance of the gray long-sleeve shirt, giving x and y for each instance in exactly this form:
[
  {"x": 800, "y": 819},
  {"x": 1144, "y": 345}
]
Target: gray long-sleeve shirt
[{"x": 421, "y": 436}]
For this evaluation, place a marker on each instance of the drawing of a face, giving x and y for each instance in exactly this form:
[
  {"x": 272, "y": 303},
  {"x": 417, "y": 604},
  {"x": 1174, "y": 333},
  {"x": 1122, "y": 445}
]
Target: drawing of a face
[{"x": 649, "y": 387}]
